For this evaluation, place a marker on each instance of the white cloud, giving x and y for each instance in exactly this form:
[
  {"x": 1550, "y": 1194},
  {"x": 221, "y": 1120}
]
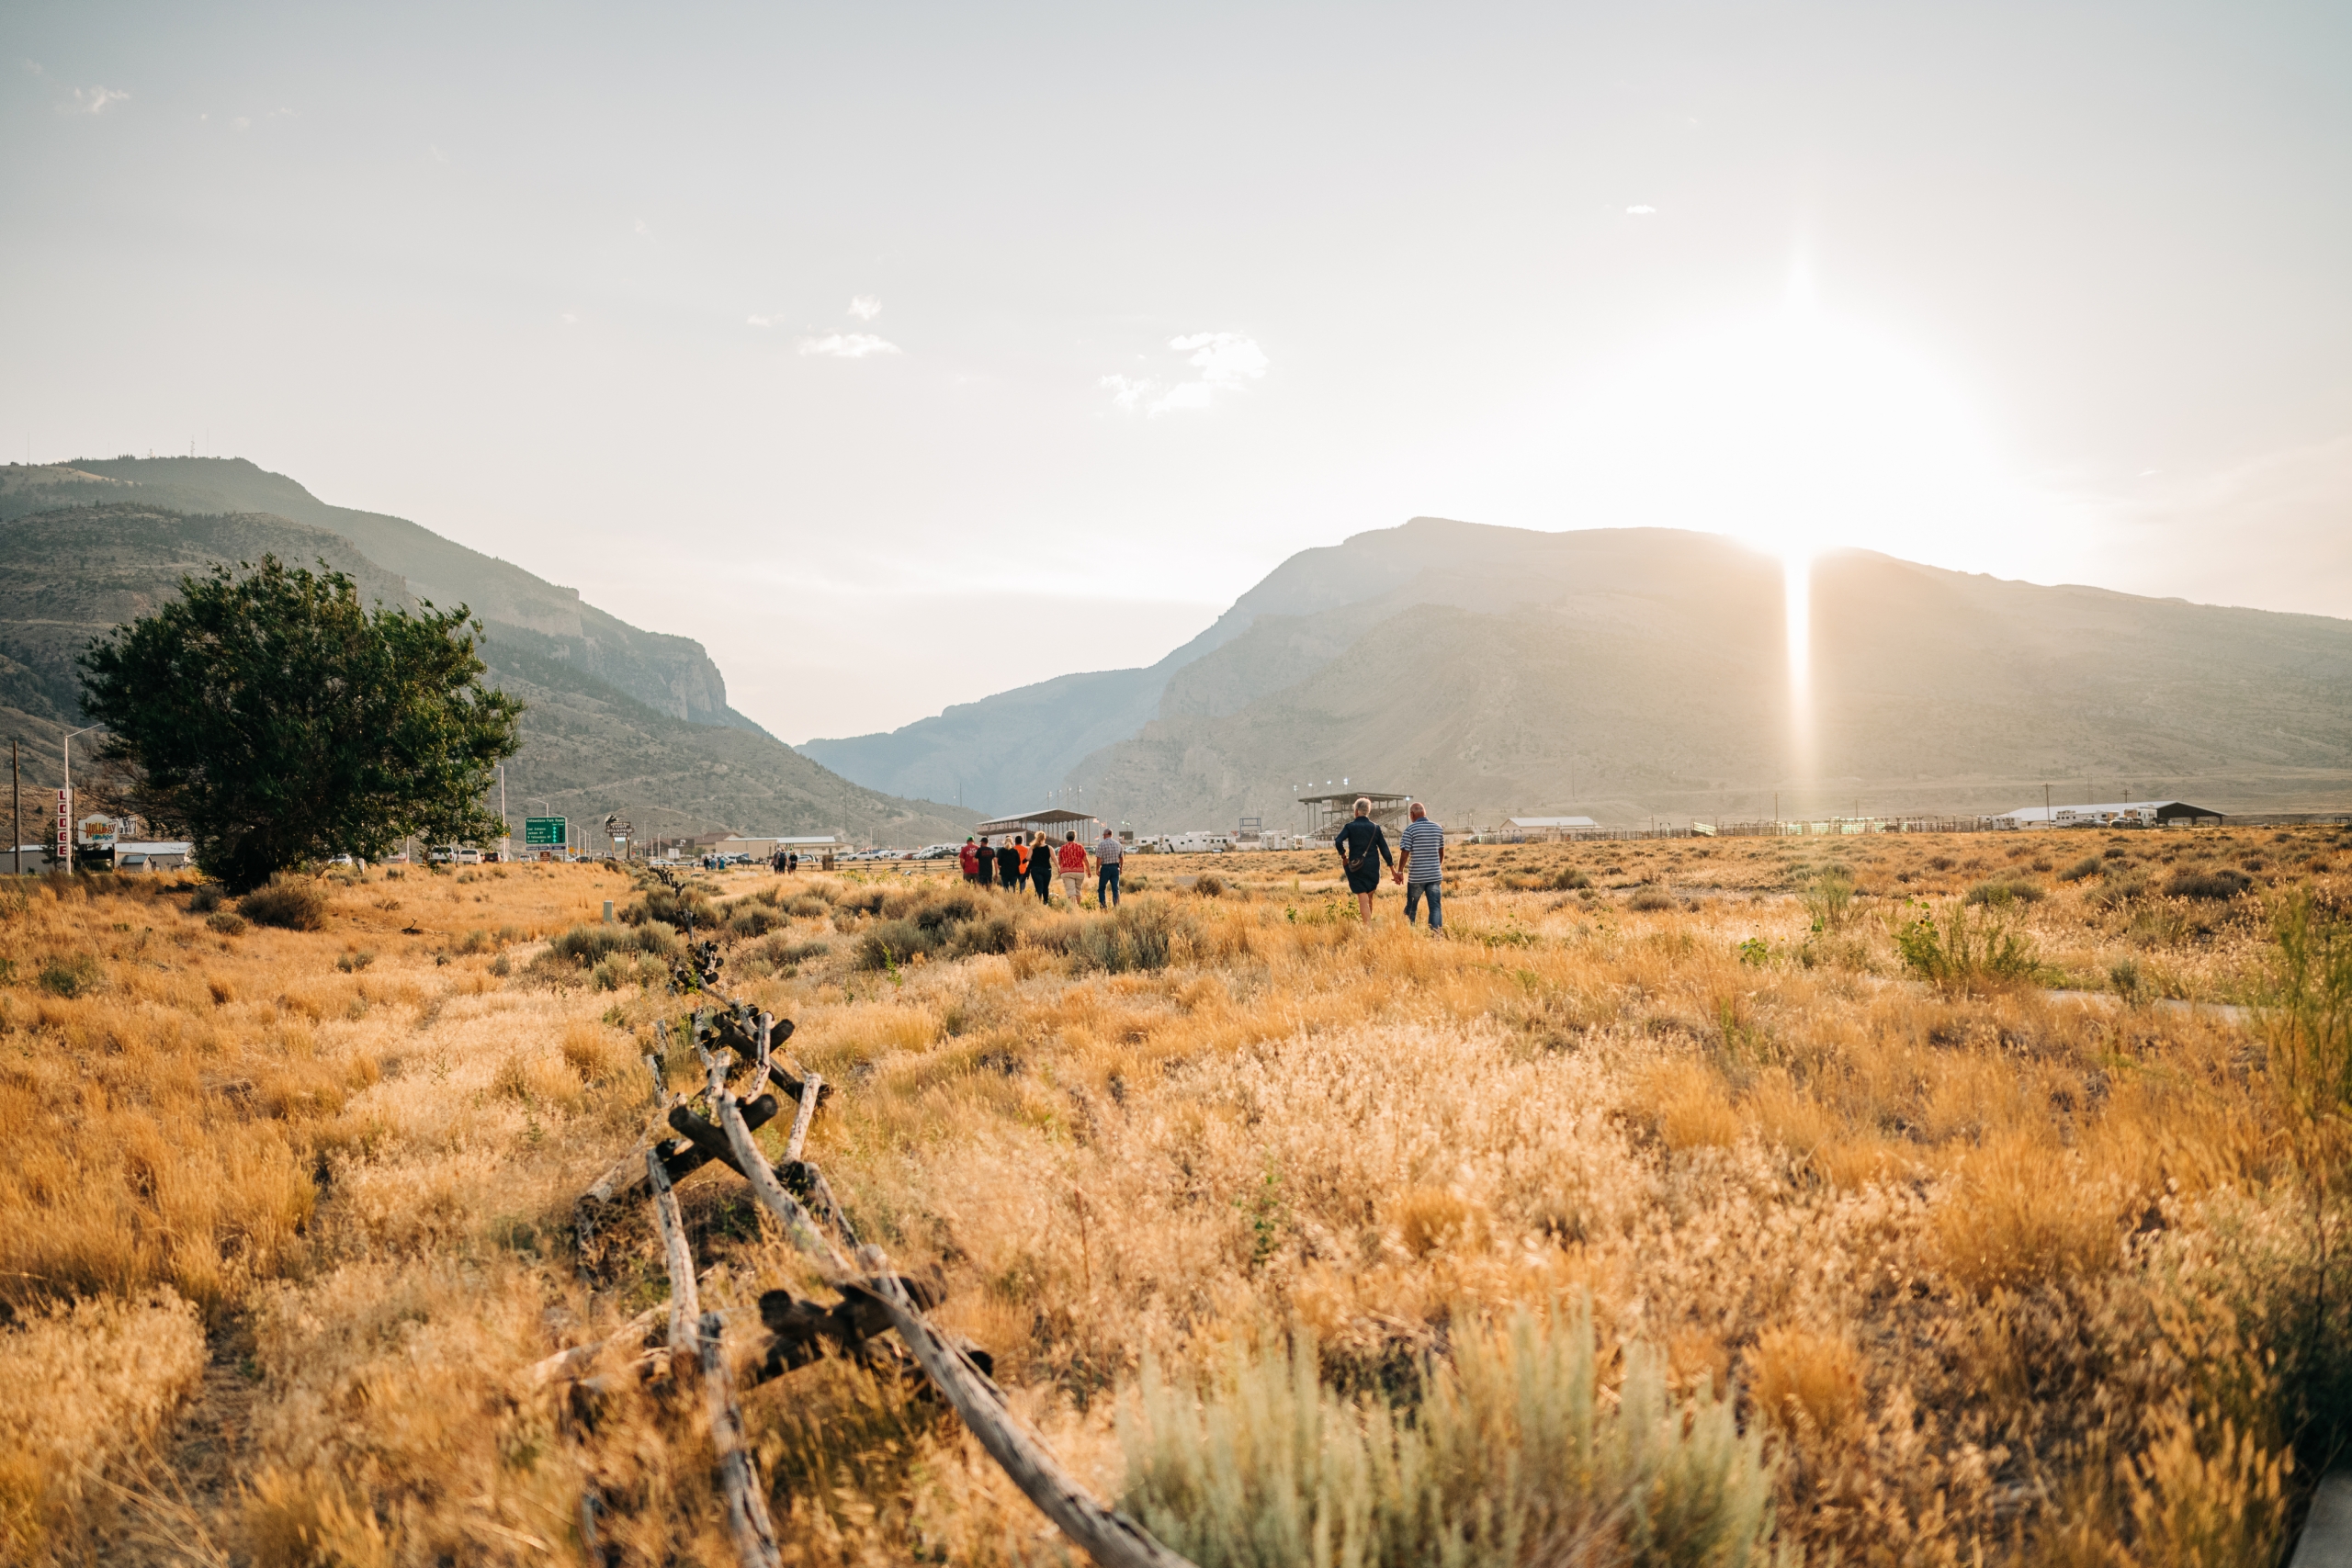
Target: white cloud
[
  {"x": 1220, "y": 362},
  {"x": 865, "y": 306},
  {"x": 641, "y": 225},
  {"x": 846, "y": 346},
  {"x": 570, "y": 319},
  {"x": 1127, "y": 392},
  {"x": 763, "y": 321},
  {"x": 93, "y": 100},
  {"x": 32, "y": 68},
  {"x": 1644, "y": 211}
]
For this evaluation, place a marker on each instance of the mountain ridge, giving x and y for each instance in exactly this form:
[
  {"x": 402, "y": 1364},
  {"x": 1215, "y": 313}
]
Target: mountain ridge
[{"x": 1663, "y": 687}]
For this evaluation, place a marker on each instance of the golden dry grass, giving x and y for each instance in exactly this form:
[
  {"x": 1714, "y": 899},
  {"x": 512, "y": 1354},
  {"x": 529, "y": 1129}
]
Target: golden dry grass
[{"x": 1996, "y": 1271}]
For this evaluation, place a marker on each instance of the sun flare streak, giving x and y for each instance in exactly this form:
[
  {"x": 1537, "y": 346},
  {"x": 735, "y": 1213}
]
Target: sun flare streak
[{"x": 1797, "y": 596}]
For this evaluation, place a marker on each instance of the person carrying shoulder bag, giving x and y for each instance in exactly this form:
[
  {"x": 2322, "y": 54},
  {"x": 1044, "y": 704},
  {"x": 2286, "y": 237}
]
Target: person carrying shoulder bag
[{"x": 1363, "y": 850}]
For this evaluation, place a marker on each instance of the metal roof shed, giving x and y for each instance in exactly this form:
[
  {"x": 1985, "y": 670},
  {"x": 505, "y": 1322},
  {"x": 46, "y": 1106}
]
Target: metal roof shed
[{"x": 1045, "y": 821}]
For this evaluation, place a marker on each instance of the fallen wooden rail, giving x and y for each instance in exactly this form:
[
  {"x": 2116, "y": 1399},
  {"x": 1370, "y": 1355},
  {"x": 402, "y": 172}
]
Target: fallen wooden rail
[
  {"x": 1104, "y": 1534},
  {"x": 875, "y": 1299},
  {"x": 746, "y": 1506}
]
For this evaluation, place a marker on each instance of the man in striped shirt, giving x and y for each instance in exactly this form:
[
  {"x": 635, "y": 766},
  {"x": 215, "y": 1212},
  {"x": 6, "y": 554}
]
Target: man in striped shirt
[{"x": 1421, "y": 866}]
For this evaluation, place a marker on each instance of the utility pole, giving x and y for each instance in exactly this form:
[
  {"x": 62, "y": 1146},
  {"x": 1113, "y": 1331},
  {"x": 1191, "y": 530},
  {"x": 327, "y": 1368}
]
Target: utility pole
[
  {"x": 2045, "y": 807},
  {"x": 16, "y": 806}
]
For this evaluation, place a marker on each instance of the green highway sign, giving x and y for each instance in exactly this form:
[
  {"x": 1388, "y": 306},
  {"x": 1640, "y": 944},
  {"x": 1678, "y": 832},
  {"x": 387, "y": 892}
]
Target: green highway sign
[{"x": 544, "y": 832}]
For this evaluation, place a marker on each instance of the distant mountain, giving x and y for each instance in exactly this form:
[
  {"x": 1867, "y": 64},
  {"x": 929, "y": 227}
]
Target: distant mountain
[
  {"x": 619, "y": 719},
  {"x": 1005, "y": 752},
  {"x": 1629, "y": 673},
  {"x": 670, "y": 674}
]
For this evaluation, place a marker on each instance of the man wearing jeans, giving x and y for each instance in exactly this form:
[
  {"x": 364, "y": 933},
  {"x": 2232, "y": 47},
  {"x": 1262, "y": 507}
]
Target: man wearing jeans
[
  {"x": 1421, "y": 866},
  {"x": 1108, "y": 854}
]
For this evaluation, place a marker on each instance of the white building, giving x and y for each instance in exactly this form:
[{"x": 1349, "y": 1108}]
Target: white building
[
  {"x": 2107, "y": 814},
  {"x": 156, "y": 854}
]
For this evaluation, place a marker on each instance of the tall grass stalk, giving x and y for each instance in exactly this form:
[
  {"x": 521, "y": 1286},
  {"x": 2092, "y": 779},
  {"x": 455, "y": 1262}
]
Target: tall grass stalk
[
  {"x": 2306, "y": 1024},
  {"x": 1516, "y": 1452}
]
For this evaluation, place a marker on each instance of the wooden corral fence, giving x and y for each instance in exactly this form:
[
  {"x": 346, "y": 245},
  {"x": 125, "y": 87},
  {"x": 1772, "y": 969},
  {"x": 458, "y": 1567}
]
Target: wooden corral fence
[{"x": 744, "y": 1087}]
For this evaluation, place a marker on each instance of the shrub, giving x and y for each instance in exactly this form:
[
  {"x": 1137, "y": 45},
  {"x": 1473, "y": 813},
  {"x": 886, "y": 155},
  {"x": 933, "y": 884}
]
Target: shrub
[
  {"x": 1137, "y": 936},
  {"x": 782, "y": 950},
  {"x": 289, "y": 904},
  {"x": 1650, "y": 899},
  {"x": 2088, "y": 866},
  {"x": 888, "y": 944},
  {"x": 226, "y": 923},
  {"x": 586, "y": 946},
  {"x": 2004, "y": 890},
  {"x": 205, "y": 900},
  {"x": 677, "y": 908},
  {"x": 1209, "y": 885},
  {"x": 1967, "y": 953},
  {"x": 2208, "y": 881},
  {"x": 805, "y": 904},
  {"x": 76, "y": 975},
  {"x": 2118, "y": 889},
  {"x": 1514, "y": 1447},
  {"x": 752, "y": 921},
  {"x": 991, "y": 933},
  {"x": 1830, "y": 902}
]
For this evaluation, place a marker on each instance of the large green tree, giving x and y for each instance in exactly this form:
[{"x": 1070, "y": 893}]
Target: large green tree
[{"x": 274, "y": 719}]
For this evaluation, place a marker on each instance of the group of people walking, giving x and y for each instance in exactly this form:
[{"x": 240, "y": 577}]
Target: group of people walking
[
  {"x": 1033, "y": 860},
  {"x": 1420, "y": 866}
]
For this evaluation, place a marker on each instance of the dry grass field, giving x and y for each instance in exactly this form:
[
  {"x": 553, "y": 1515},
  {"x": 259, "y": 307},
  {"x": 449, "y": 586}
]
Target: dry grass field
[{"x": 1931, "y": 1200}]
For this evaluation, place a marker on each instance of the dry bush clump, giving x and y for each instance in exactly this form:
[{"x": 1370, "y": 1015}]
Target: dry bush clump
[
  {"x": 289, "y": 903},
  {"x": 1860, "y": 1230}
]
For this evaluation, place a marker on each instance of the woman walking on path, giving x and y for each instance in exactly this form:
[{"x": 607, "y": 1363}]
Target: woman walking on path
[
  {"x": 1008, "y": 863},
  {"x": 1364, "y": 848},
  {"x": 1041, "y": 869},
  {"x": 1070, "y": 859}
]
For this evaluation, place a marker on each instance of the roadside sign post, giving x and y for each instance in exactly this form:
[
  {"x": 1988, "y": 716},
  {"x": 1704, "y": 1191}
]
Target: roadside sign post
[
  {"x": 546, "y": 833},
  {"x": 64, "y": 853}
]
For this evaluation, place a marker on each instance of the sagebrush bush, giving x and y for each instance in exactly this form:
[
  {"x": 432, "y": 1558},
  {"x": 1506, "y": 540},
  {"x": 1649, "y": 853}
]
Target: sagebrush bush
[
  {"x": 2206, "y": 882},
  {"x": 1513, "y": 1453},
  {"x": 2088, "y": 866},
  {"x": 2006, "y": 890},
  {"x": 594, "y": 943},
  {"x": 289, "y": 903}
]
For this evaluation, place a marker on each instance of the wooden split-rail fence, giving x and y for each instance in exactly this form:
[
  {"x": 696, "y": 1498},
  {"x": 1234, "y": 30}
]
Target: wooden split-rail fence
[{"x": 743, "y": 1082}]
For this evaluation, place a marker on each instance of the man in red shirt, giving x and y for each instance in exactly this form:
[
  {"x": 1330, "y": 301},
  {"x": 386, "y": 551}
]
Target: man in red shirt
[
  {"x": 970, "y": 858},
  {"x": 1070, "y": 859}
]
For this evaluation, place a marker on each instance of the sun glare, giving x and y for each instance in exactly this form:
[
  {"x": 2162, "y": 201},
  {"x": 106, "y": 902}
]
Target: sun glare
[{"x": 1797, "y": 432}]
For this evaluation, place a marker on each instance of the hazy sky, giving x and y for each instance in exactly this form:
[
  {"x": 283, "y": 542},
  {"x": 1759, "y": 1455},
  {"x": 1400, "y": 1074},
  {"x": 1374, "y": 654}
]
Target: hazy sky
[{"x": 902, "y": 354}]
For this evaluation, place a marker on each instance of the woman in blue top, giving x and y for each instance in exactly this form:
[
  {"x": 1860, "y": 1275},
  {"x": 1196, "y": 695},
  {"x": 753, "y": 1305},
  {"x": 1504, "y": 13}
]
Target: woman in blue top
[{"x": 1364, "y": 848}]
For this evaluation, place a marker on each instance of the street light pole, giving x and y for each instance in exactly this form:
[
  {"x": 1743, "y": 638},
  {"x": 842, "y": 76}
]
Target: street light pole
[{"x": 70, "y": 824}]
